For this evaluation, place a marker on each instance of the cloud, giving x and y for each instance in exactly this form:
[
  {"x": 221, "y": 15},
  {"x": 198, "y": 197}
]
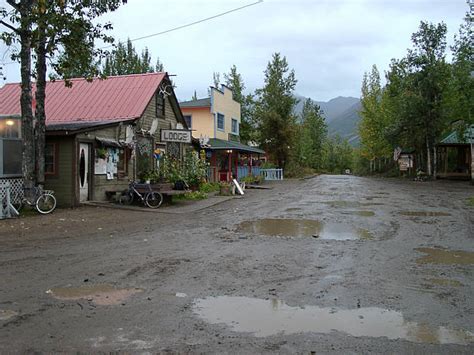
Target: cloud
[{"x": 329, "y": 43}]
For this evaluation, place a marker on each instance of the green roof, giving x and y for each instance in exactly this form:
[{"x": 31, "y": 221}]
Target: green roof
[
  {"x": 453, "y": 137},
  {"x": 220, "y": 144},
  {"x": 197, "y": 103}
]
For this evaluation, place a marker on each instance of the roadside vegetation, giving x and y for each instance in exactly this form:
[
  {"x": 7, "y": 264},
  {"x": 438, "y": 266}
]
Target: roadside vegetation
[
  {"x": 470, "y": 201},
  {"x": 424, "y": 98}
]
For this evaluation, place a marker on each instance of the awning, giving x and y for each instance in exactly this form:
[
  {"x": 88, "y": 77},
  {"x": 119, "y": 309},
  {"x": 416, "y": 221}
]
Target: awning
[
  {"x": 455, "y": 139},
  {"x": 108, "y": 142},
  {"x": 220, "y": 144}
]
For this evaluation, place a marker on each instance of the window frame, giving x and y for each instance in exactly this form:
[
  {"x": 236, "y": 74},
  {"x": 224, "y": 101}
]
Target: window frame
[
  {"x": 126, "y": 158},
  {"x": 160, "y": 103},
  {"x": 223, "y": 122},
  {"x": 17, "y": 139},
  {"x": 55, "y": 151},
  {"x": 190, "y": 126},
  {"x": 236, "y": 132}
]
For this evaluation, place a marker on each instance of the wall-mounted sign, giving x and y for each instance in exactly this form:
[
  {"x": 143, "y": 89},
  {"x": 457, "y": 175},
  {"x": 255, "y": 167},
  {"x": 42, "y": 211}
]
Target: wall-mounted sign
[{"x": 176, "y": 135}]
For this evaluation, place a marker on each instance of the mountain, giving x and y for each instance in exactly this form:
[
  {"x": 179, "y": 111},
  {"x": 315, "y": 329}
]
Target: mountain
[{"x": 341, "y": 114}]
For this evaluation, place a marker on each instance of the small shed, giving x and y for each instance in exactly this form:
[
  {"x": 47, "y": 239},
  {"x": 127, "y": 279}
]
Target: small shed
[
  {"x": 456, "y": 156},
  {"x": 99, "y": 134}
]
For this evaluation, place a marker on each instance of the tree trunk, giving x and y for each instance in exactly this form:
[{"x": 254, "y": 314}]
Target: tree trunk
[
  {"x": 40, "y": 114},
  {"x": 435, "y": 162},
  {"x": 28, "y": 151},
  {"x": 428, "y": 157}
]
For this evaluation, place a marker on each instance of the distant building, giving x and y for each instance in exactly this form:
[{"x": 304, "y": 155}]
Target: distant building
[
  {"x": 215, "y": 121},
  {"x": 456, "y": 156},
  {"x": 99, "y": 134}
]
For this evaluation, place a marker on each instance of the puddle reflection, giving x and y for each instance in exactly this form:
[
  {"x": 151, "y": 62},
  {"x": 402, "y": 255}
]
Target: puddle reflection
[
  {"x": 445, "y": 256},
  {"x": 6, "y": 314},
  {"x": 271, "y": 317},
  {"x": 424, "y": 214},
  {"x": 303, "y": 228},
  {"x": 103, "y": 295}
]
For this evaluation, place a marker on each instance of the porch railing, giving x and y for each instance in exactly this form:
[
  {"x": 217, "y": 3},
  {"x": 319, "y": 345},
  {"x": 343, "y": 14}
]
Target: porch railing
[
  {"x": 272, "y": 174},
  {"x": 244, "y": 171}
]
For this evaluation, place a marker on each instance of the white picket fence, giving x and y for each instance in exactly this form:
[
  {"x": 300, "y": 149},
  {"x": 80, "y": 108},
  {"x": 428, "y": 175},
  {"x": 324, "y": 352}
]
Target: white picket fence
[
  {"x": 272, "y": 174},
  {"x": 9, "y": 194}
]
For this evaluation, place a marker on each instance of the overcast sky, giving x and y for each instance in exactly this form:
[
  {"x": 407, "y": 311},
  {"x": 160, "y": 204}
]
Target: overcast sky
[{"x": 329, "y": 43}]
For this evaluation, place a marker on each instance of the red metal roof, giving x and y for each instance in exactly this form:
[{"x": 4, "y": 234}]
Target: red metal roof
[{"x": 116, "y": 98}]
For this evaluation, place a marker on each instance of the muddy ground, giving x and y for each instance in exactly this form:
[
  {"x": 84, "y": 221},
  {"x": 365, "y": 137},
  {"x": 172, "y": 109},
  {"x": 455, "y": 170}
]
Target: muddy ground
[{"x": 386, "y": 267}]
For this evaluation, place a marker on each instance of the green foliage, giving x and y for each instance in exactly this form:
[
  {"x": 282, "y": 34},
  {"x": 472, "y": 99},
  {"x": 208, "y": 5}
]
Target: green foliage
[
  {"x": 274, "y": 104},
  {"x": 124, "y": 59},
  {"x": 296, "y": 171},
  {"x": 191, "y": 196},
  {"x": 311, "y": 134},
  {"x": 374, "y": 120},
  {"x": 470, "y": 201},
  {"x": 253, "y": 179},
  {"x": 236, "y": 83},
  {"x": 268, "y": 165},
  {"x": 192, "y": 170},
  {"x": 423, "y": 97},
  {"x": 209, "y": 187},
  {"x": 337, "y": 155},
  {"x": 170, "y": 169}
]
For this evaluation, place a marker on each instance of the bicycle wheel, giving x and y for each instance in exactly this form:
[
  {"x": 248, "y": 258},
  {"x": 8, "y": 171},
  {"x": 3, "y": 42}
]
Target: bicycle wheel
[
  {"x": 46, "y": 203},
  {"x": 154, "y": 199}
]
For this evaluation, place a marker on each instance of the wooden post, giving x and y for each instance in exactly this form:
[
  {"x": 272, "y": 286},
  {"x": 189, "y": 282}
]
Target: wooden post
[
  {"x": 229, "y": 169},
  {"x": 472, "y": 162},
  {"x": 236, "y": 165},
  {"x": 250, "y": 165}
]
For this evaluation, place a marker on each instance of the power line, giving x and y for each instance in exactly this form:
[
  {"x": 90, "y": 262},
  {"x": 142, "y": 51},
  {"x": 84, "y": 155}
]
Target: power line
[
  {"x": 182, "y": 26},
  {"x": 192, "y": 23}
]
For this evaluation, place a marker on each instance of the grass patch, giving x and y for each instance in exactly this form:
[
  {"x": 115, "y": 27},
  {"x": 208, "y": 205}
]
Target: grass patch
[
  {"x": 470, "y": 201},
  {"x": 191, "y": 196},
  {"x": 209, "y": 187}
]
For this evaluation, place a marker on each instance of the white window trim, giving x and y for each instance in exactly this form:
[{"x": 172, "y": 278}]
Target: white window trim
[
  {"x": 223, "y": 122},
  {"x": 236, "y": 132}
]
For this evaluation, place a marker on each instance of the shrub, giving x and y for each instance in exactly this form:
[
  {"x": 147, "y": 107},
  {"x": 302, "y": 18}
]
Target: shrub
[{"x": 209, "y": 187}]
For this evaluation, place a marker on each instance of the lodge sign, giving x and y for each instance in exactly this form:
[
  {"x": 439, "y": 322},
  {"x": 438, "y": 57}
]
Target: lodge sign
[{"x": 176, "y": 135}]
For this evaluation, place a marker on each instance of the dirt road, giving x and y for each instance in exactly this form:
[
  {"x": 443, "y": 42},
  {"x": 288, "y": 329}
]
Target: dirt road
[{"x": 358, "y": 265}]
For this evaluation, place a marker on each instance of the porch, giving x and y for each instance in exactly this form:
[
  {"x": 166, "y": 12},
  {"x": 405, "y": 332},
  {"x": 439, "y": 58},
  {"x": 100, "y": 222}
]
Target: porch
[{"x": 229, "y": 159}]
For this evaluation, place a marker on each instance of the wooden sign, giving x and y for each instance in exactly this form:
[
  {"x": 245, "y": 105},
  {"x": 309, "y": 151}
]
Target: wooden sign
[{"x": 176, "y": 135}]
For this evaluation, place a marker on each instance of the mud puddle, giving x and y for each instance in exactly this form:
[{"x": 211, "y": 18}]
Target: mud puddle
[
  {"x": 102, "y": 295},
  {"x": 445, "y": 282},
  {"x": 303, "y": 228},
  {"x": 360, "y": 213},
  {"x": 272, "y": 317},
  {"x": 424, "y": 214},
  {"x": 6, "y": 314},
  {"x": 351, "y": 204},
  {"x": 293, "y": 209},
  {"x": 445, "y": 256}
]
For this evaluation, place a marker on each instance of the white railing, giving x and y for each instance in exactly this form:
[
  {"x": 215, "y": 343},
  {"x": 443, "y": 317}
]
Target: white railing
[
  {"x": 7, "y": 198},
  {"x": 272, "y": 174}
]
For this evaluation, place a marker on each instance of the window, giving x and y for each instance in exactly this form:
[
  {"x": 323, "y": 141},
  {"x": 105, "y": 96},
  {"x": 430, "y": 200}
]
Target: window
[
  {"x": 220, "y": 121},
  {"x": 10, "y": 147},
  {"x": 189, "y": 121},
  {"x": 50, "y": 157},
  {"x": 235, "y": 126},
  {"x": 160, "y": 105},
  {"x": 10, "y": 128}
]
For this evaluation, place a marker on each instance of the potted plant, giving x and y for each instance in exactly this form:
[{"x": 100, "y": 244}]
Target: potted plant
[
  {"x": 225, "y": 188},
  {"x": 101, "y": 153}
]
